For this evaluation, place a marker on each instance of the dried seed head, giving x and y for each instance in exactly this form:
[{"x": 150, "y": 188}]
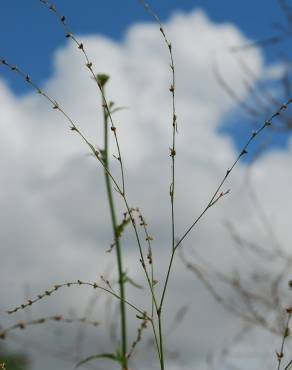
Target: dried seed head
[
  {"x": 172, "y": 152},
  {"x": 21, "y": 325},
  {"x": 53, "y": 8}
]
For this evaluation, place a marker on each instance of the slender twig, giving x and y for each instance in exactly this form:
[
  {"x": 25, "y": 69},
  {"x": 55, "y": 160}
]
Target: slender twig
[
  {"x": 56, "y": 287},
  {"x": 286, "y": 333},
  {"x": 138, "y": 339},
  {"x": 172, "y": 89},
  {"x": 243, "y": 152},
  {"x": 70, "y": 35},
  {"x": 148, "y": 239},
  {"x": 253, "y": 112},
  {"x": 261, "y": 43},
  {"x": 57, "y": 318}
]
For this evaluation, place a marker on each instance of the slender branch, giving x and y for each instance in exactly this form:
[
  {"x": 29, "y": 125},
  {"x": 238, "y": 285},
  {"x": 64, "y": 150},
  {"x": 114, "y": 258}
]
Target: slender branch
[
  {"x": 56, "y": 287},
  {"x": 138, "y": 339},
  {"x": 57, "y": 318},
  {"x": 172, "y": 89},
  {"x": 69, "y": 34},
  {"x": 149, "y": 239},
  {"x": 286, "y": 333},
  {"x": 243, "y": 152},
  {"x": 217, "y": 194}
]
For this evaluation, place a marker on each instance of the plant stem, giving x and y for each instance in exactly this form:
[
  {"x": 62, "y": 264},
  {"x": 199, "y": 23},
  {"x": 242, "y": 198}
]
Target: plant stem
[
  {"x": 116, "y": 239},
  {"x": 160, "y": 340}
]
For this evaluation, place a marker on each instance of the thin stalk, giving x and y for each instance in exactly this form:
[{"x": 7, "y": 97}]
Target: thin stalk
[
  {"x": 286, "y": 333},
  {"x": 167, "y": 278},
  {"x": 116, "y": 237},
  {"x": 161, "y": 357},
  {"x": 172, "y": 184}
]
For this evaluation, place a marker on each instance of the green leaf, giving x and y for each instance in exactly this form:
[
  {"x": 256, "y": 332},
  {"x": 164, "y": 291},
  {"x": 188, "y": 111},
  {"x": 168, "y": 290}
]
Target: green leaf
[
  {"x": 102, "y": 79},
  {"x": 109, "y": 356},
  {"x": 127, "y": 279},
  {"x": 118, "y": 109}
]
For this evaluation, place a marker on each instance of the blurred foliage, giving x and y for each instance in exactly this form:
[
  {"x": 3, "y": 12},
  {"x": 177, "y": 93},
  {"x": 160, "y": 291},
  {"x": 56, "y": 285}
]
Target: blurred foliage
[{"x": 13, "y": 361}]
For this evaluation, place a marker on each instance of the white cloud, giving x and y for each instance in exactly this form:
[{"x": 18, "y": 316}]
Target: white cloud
[{"x": 55, "y": 220}]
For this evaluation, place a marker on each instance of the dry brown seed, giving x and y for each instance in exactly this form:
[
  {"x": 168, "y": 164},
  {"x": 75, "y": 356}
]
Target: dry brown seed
[
  {"x": 21, "y": 325},
  {"x": 2, "y": 335}
]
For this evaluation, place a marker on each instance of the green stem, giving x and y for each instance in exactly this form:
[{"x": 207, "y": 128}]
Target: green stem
[
  {"x": 160, "y": 341},
  {"x": 117, "y": 242}
]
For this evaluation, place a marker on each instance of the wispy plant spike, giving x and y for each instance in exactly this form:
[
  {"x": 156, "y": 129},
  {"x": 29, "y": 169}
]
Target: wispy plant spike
[
  {"x": 44, "y": 320},
  {"x": 253, "y": 135},
  {"x": 56, "y": 287},
  {"x": 286, "y": 333},
  {"x": 94, "y": 75}
]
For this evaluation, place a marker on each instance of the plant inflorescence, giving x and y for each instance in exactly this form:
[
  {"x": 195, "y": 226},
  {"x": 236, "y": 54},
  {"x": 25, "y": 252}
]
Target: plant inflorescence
[{"x": 132, "y": 216}]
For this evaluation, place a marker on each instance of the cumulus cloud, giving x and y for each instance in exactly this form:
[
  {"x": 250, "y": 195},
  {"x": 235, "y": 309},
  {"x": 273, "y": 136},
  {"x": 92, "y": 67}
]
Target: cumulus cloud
[{"x": 55, "y": 221}]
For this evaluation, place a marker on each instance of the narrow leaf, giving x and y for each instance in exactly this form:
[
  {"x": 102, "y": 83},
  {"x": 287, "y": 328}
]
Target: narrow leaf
[{"x": 109, "y": 356}]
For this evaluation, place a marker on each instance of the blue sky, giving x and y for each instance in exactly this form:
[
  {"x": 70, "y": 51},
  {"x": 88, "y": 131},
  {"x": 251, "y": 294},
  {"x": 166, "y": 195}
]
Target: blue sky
[{"x": 30, "y": 35}]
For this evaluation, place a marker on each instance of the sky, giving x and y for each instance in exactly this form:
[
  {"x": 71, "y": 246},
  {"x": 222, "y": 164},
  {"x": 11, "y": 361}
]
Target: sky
[
  {"x": 54, "y": 216},
  {"x": 32, "y": 35},
  {"x": 40, "y": 35}
]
